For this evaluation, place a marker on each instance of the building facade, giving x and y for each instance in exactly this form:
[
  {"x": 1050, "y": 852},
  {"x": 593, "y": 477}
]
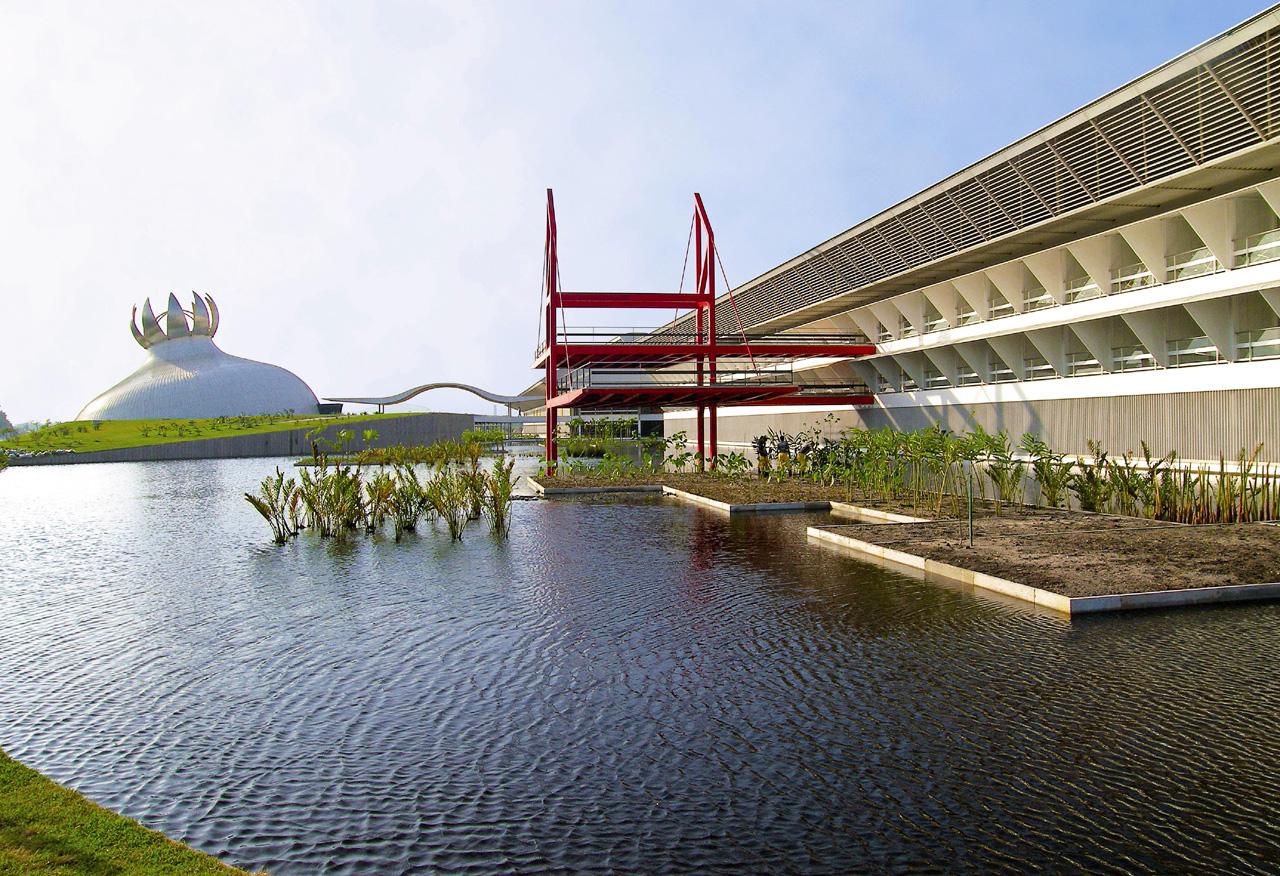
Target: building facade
[{"x": 1113, "y": 276}]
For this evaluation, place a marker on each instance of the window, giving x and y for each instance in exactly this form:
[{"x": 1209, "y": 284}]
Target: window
[
  {"x": 1258, "y": 344},
  {"x": 1037, "y": 368},
  {"x": 1133, "y": 276},
  {"x": 935, "y": 379},
  {"x": 1258, "y": 248},
  {"x": 1192, "y": 351},
  {"x": 1132, "y": 358},
  {"x": 1081, "y": 289},
  {"x": 936, "y": 324},
  {"x": 1192, "y": 263},
  {"x": 1037, "y": 299},
  {"x": 998, "y": 306},
  {"x": 1083, "y": 364}
]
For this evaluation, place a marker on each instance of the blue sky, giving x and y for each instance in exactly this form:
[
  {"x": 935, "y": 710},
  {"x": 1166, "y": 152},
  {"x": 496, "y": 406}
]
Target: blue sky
[{"x": 360, "y": 185}]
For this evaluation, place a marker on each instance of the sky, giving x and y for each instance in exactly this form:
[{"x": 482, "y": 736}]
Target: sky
[{"x": 361, "y": 185}]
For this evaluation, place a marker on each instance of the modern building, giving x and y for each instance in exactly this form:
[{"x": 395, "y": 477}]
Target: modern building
[
  {"x": 186, "y": 375},
  {"x": 1114, "y": 275}
]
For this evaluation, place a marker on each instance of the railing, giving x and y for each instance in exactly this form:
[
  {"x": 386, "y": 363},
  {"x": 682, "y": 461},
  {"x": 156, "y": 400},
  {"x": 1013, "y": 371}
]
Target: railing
[
  {"x": 1132, "y": 358},
  {"x": 1081, "y": 289},
  {"x": 1129, "y": 277},
  {"x": 1258, "y": 344},
  {"x": 1037, "y": 368},
  {"x": 909, "y": 384},
  {"x": 1083, "y": 364},
  {"x": 968, "y": 378},
  {"x": 936, "y": 325},
  {"x": 936, "y": 380},
  {"x": 633, "y": 375},
  {"x": 629, "y": 376},
  {"x": 885, "y": 336},
  {"x": 1258, "y": 248},
  {"x": 1192, "y": 263},
  {"x": 1036, "y": 299},
  {"x": 1002, "y": 373},
  {"x": 998, "y": 307},
  {"x": 967, "y": 317},
  {"x": 906, "y": 330},
  {"x": 1192, "y": 351}
]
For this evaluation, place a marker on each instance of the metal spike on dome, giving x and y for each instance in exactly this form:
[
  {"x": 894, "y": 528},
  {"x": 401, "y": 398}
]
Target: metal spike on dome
[
  {"x": 151, "y": 331},
  {"x": 213, "y": 318},
  {"x": 199, "y": 316},
  {"x": 175, "y": 322},
  {"x": 133, "y": 327}
]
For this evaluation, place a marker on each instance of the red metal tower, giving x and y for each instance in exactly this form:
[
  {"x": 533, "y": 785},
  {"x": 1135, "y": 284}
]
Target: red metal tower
[{"x": 677, "y": 365}]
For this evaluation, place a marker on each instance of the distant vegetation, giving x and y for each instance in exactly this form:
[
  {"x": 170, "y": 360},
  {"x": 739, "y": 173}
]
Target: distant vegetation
[{"x": 87, "y": 435}]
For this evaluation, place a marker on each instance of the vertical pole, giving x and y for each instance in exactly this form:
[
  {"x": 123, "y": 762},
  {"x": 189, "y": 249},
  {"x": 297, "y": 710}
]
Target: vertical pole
[
  {"x": 709, "y": 284},
  {"x": 552, "y": 296},
  {"x": 968, "y": 482}
]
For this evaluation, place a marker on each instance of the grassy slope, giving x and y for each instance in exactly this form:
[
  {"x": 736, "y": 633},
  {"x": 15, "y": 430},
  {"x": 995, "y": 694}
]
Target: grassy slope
[
  {"x": 45, "y": 828},
  {"x": 112, "y": 434}
]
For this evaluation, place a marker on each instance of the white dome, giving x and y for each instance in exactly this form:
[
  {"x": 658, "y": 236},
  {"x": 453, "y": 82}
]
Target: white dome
[{"x": 187, "y": 376}]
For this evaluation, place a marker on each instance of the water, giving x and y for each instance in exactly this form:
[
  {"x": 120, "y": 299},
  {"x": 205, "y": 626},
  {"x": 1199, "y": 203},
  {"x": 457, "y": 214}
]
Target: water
[{"x": 626, "y": 685}]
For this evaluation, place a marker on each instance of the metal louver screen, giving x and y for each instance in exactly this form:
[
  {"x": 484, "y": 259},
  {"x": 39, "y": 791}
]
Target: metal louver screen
[{"x": 1231, "y": 103}]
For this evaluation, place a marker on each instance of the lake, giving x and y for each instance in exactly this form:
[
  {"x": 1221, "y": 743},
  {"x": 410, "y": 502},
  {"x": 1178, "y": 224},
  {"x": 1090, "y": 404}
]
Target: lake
[{"x": 627, "y": 684}]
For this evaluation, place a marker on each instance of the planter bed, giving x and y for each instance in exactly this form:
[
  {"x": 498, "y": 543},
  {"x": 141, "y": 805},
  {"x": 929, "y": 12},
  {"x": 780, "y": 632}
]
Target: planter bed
[{"x": 1039, "y": 554}]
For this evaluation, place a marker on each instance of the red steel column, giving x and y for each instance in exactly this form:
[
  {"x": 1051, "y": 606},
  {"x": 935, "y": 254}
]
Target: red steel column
[
  {"x": 553, "y": 357},
  {"x": 709, "y": 276},
  {"x": 698, "y": 283}
]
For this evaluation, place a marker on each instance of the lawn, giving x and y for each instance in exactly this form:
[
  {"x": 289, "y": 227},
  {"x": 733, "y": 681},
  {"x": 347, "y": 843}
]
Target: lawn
[
  {"x": 82, "y": 436},
  {"x": 46, "y": 828}
]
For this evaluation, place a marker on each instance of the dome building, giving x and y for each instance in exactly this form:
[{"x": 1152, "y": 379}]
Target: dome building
[{"x": 187, "y": 376}]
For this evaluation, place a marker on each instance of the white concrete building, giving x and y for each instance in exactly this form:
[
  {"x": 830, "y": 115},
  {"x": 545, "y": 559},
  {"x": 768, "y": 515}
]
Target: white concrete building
[
  {"x": 1115, "y": 275},
  {"x": 187, "y": 376}
]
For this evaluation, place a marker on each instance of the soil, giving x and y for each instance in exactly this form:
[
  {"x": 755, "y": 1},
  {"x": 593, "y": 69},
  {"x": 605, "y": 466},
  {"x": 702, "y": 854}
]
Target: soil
[{"x": 1077, "y": 554}]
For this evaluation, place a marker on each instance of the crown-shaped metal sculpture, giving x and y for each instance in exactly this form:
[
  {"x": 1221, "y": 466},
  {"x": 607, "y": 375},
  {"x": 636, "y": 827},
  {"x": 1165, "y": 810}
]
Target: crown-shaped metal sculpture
[{"x": 204, "y": 321}]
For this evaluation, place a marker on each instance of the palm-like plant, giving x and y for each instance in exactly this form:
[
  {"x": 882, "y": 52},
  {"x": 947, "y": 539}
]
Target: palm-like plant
[
  {"x": 276, "y": 501},
  {"x": 499, "y": 488}
]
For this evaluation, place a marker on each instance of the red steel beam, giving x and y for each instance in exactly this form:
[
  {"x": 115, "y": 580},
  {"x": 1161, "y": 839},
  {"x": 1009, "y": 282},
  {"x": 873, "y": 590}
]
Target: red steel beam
[
  {"x": 632, "y": 300},
  {"x": 582, "y": 353}
]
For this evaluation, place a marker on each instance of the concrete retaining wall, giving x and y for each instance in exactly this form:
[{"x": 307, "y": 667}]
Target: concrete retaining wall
[{"x": 409, "y": 429}]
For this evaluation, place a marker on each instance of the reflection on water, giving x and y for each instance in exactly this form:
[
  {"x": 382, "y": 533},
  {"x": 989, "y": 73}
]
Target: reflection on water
[{"x": 625, "y": 685}]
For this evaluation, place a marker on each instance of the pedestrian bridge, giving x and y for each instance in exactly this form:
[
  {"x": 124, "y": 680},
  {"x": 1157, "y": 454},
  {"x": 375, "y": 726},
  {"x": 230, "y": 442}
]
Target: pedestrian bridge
[{"x": 511, "y": 401}]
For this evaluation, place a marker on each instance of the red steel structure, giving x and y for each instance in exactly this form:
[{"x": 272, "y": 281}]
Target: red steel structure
[{"x": 670, "y": 367}]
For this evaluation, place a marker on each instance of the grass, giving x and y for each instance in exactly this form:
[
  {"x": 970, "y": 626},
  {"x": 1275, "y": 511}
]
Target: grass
[
  {"x": 46, "y": 828},
  {"x": 114, "y": 434}
]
